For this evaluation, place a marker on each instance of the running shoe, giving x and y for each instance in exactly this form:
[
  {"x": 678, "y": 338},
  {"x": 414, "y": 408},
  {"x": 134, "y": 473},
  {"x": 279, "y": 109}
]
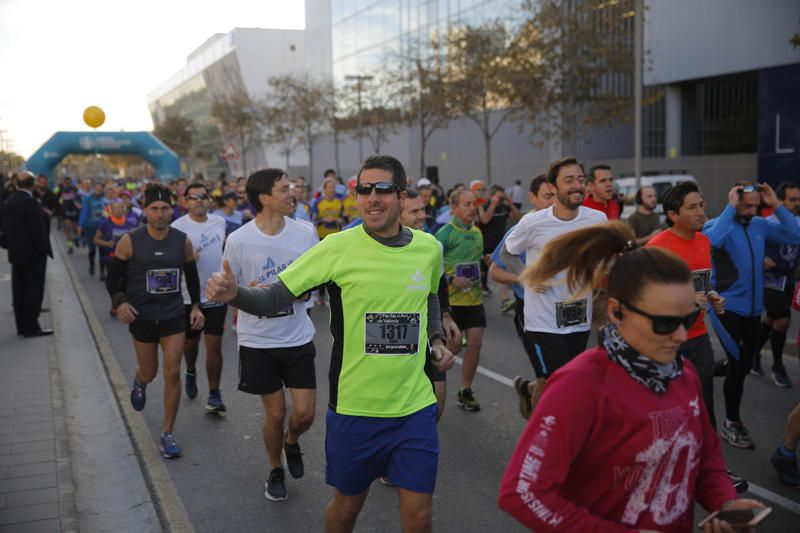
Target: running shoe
[
  {"x": 737, "y": 435},
  {"x": 138, "y": 396},
  {"x": 69, "y": 249},
  {"x": 169, "y": 446},
  {"x": 755, "y": 368},
  {"x": 486, "y": 291},
  {"x": 740, "y": 484},
  {"x": 275, "y": 486},
  {"x": 191, "y": 384},
  {"x": 467, "y": 401},
  {"x": 294, "y": 459},
  {"x": 521, "y": 388},
  {"x": 788, "y": 472},
  {"x": 507, "y": 305},
  {"x": 214, "y": 403},
  {"x": 780, "y": 378},
  {"x": 91, "y": 269}
]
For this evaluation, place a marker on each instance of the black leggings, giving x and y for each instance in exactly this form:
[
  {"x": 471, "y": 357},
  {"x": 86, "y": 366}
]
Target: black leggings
[{"x": 744, "y": 330}]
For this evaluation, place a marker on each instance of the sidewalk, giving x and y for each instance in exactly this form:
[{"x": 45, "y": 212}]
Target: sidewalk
[
  {"x": 36, "y": 484},
  {"x": 67, "y": 462}
]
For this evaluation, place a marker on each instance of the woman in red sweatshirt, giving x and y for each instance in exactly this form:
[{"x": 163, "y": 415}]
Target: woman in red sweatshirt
[{"x": 620, "y": 440}]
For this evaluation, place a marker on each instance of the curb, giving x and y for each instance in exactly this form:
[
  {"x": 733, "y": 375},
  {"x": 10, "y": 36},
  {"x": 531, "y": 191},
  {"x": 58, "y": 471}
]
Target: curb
[{"x": 169, "y": 508}]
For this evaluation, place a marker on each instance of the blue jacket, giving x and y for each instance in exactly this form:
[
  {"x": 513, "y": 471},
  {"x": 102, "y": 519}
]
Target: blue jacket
[
  {"x": 92, "y": 212},
  {"x": 738, "y": 255}
]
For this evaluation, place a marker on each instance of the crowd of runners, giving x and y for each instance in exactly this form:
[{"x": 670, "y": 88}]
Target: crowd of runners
[{"x": 404, "y": 267}]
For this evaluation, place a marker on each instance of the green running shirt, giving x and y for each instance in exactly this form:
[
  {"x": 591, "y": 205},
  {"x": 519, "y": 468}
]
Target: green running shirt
[
  {"x": 463, "y": 250},
  {"x": 379, "y": 318}
]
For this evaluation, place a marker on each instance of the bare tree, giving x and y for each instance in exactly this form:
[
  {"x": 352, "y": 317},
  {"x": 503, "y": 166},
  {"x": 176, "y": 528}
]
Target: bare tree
[
  {"x": 380, "y": 113},
  {"x": 484, "y": 83},
  {"x": 238, "y": 118},
  {"x": 419, "y": 82},
  {"x": 583, "y": 55},
  {"x": 303, "y": 104}
]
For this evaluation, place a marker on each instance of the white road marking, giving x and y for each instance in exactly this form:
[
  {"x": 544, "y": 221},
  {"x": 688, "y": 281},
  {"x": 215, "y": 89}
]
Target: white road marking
[{"x": 757, "y": 490}]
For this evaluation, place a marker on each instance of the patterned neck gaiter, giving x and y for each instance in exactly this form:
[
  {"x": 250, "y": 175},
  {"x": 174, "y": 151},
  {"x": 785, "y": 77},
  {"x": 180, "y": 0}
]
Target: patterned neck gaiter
[{"x": 652, "y": 375}]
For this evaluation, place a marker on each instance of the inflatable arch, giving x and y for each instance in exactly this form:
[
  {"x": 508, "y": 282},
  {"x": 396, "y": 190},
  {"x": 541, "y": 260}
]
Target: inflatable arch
[{"x": 63, "y": 143}]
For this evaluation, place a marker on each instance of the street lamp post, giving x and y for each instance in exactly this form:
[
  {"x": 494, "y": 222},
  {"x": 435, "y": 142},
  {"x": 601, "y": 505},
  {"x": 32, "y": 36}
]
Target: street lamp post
[{"x": 359, "y": 79}]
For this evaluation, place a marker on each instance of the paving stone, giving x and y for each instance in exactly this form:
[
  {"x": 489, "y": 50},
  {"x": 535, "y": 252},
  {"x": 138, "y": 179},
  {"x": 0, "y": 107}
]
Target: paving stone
[
  {"x": 25, "y": 447},
  {"x": 27, "y": 470},
  {"x": 40, "y": 526},
  {"x": 28, "y": 513},
  {"x": 31, "y": 497},
  {"x": 41, "y": 456},
  {"x": 30, "y": 427},
  {"x": 18, "y": 438},
  {"x": 28, "y": 483}
]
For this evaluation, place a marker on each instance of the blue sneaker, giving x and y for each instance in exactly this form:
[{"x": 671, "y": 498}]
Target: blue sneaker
[
  {"x": 214, "y": 403},
  {"x": 169, "y": 446},
  {"x": 138, "y": 395},
  {"x": 191, "y": 384}
]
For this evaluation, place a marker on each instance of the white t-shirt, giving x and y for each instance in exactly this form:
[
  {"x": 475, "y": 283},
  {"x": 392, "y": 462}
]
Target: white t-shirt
[
  {"x": 207, "y": 240},
  {"x": 255, "y": 256},
  {"x": 553, "y": 311}
]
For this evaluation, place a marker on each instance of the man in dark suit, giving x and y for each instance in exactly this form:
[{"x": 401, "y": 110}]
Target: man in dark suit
[{"x": 23, "y": 222}]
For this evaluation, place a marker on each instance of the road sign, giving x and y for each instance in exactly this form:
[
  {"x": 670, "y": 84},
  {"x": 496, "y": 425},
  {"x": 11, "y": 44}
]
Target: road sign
[{"x": 230, "y": 152}]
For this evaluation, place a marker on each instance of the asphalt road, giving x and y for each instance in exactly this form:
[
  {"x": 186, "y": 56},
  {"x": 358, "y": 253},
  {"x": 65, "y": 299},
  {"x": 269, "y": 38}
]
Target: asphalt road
[{"x": 221, "y": 475}]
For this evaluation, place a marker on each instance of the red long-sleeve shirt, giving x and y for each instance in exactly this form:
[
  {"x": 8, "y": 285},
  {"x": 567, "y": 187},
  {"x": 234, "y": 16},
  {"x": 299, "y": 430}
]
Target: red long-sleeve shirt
[{"x": 604, "y": 453}]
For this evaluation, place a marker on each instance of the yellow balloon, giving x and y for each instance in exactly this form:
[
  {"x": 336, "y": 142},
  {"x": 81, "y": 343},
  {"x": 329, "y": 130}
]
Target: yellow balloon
[{"x": 93, "y": 116}]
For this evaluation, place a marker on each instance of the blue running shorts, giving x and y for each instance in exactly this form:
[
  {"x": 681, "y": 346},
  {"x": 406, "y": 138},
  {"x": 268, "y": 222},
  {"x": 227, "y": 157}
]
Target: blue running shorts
[{"x": 359, "y": 449}]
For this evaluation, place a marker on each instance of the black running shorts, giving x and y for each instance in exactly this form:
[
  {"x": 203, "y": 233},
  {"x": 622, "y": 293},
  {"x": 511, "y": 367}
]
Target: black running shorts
[
  {"x": 215, "y": 321},
  {"x": 554, "y": 350},
  {"x": 469, "y": 316},
  {"x": 778, "y": 304},
  {"x": 267, "y": 370},
  {"x": 151, "y": 331}
]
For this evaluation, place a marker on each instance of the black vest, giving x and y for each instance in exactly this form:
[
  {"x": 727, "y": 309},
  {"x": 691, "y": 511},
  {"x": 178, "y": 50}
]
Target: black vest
[{"x": 154, "y": 274}]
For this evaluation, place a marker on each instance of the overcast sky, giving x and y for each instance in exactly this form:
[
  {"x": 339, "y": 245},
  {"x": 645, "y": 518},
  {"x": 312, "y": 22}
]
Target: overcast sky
[{"x": 59, "y": 56}]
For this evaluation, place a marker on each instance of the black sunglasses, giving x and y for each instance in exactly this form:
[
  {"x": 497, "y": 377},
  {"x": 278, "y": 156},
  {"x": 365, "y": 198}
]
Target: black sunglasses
[
  {"x": 198, "y": 197},
  {"x": 666, "y": 324},
  {"x": 382, "y": 187}
]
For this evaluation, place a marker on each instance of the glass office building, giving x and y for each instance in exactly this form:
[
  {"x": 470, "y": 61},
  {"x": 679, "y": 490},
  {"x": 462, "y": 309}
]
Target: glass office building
[{"x": 365, "y": 32}]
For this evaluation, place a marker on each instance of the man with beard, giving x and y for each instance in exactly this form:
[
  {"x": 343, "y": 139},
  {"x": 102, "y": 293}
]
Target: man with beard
[
  {"x": 738, "y": 237},
  {"x": 558, "y": 319},
  {"x": 645, "y": 221},
  {"x": 685, "y": 210},
  {"x": 779, "y": 266},
  {"x": 384, "y": 311}
]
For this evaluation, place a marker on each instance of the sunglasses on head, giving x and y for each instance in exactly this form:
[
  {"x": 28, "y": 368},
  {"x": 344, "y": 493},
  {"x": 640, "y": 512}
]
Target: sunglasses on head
[
  {"x": 382, "y": 187},
  {"x": 666, "y": 324}
]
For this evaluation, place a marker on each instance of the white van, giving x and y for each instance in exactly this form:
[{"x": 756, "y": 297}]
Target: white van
[{"x": 662, "y": 183}]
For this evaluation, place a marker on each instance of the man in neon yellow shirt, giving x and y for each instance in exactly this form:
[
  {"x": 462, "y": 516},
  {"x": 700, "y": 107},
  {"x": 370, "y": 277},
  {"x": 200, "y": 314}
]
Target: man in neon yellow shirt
[
  {"x": 384, "y": 310},
  {"x": 463, "y": 250}
]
